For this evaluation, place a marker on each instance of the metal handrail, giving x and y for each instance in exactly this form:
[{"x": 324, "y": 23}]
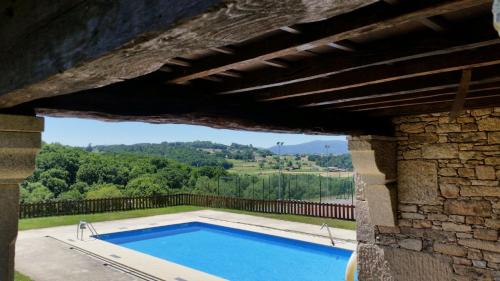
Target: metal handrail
[
  {"x": 82, "y": 225},
  {"x": 329, "y": 232}
]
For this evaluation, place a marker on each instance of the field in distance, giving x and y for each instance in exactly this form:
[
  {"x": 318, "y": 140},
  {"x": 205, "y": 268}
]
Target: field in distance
[{"x": 290, "y": 165}]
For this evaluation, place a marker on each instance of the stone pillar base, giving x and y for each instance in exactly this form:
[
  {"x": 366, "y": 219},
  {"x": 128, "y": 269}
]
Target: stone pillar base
[{"x": 20, "y": 140}]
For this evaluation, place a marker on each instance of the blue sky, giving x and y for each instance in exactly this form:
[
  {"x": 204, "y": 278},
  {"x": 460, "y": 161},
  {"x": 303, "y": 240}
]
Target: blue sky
[{"x": 81, "y": 132}]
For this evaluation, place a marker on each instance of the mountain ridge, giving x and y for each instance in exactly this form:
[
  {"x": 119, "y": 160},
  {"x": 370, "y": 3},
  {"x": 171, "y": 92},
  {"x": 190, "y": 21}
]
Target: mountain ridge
[{"x": 337, "y": 147}]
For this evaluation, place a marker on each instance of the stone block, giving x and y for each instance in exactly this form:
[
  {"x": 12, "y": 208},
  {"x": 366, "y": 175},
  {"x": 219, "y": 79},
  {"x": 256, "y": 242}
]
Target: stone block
[
  {"x": 422, "y": 224},
  {"x": 412, "y": 128},
  {"x": 466, "y": 172},
  {"x": 480, "y": 112},
  {"x": 494, "y": 137},
  {"x": 492, "y": 161},
  {"x": 489, "y": 124},
  {"x": 449, "y": 226},
  {"x": 485, "y": 172},
  {"x": 447, "y": 172},
  {"x": 440, "y": 151},
  {"x": 411, "y": 244},
  {"x": 479, "y": 264},
  {"x": 417, "y": 182},
  {"x": 461, "y": 261},
  {"x": 449, "y": 190},
  {"x": 492, "y": 223},
  {"x": 486, "y": 234},
  {"x": 480, "y": 245},
  {"x": 474, "y": 220},
  {"x": 491, "y": 257},
  {"x": 423, "y": 138},
  {"x": 416, "y": 216},
  {"x": 407, "y": 208},
  {"x": 485, "y": 182},
  {"x": 480, "y": 191},
  {"x": 448, "y": 128},
  {"x": 388, "y": 229},
  {"x": 437, "y": 217},
  {"x": 474, "y": 254},
  {"x": 450, "y": 249},
  {"x": 412, "y": 154},
  {"x": 478, "y": 208}
]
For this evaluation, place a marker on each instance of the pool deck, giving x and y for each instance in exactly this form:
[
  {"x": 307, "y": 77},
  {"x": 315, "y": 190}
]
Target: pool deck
[{"x": 92, "y": 254}]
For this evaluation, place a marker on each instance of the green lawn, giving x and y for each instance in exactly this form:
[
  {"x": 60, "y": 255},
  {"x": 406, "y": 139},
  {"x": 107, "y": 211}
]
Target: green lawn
[
  {"x": 20, "y": 277},
  {"x": 34, "y": 223}
]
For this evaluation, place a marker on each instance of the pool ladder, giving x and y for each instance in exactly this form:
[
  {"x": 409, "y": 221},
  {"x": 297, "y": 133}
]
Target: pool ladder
[
  {"x": 329, "y": 232},
  {"x": 350, "y": 269},
  {"x": 82, "y": 225}
]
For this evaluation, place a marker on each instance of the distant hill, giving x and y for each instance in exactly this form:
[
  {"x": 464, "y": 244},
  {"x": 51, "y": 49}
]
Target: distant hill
[
  {"x": 314, "y": 147},
  {"x": 197, "y": 153}
]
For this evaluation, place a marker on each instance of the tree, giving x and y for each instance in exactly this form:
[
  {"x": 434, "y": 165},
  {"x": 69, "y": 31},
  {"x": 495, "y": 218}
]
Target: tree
[
  {"x": 39, "y": 194},
  {"x": 80, "y": 187},
  {"x": 72, "y": 194},
  {"x": 144, "y": 185},
  {"x": 55, "y": 180},
  {"x": 104, "y": 191}
]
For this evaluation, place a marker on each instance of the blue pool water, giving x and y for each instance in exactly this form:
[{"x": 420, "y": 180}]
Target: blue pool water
[{"x": 236, "y": 254}]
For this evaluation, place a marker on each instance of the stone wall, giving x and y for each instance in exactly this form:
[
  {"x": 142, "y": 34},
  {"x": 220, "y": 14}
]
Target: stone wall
[{"x": 448, "y": 209}]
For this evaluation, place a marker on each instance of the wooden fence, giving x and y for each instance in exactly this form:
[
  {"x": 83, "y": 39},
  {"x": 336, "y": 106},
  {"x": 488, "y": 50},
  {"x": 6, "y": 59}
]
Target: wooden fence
[{"x": 92, "y": 206}]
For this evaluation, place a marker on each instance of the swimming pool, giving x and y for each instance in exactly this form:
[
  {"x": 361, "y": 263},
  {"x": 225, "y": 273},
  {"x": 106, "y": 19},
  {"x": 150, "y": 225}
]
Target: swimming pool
[{"x": 236, "y": 254}]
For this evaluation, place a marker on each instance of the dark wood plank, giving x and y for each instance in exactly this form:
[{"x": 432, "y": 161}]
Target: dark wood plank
[
  {"x": 435, "y": 106},
  {"x": 402, "y": 47},
  {"x": 479, "y": 57},
  {"x": 409, "y": 86},
  {"x": 69, "y": 46},
  {"x": 412, "y": 95},
  {"x": 428, "y": 98},
  {"x": 372, "y": 18},
  {"x": 463, "y": 88}
]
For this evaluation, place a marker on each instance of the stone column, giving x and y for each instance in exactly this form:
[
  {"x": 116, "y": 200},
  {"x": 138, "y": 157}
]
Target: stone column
[
  {"x": 374, "y": 161},
  {"x": 20, "y": 140}
]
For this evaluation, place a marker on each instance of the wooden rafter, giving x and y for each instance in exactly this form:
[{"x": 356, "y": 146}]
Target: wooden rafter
[
  {"x": 463, "y": 89},
  {"x": 375, "y": 17},
  {"x": 402, "y": 48},
  {"x": 412, "y": 86},
  {"x": 479, "y": 57}
]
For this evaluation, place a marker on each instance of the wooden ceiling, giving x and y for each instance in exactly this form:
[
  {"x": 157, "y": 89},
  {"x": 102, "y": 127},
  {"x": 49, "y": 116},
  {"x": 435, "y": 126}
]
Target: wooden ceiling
[{"x": 348, "y": 74}]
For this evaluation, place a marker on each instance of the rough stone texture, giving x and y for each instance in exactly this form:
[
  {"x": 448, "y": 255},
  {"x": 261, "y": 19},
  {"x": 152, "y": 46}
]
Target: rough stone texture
[
  {"x": 417, "y": 182},
  {"x": 449, "y": 199},
  {"x": 19, "y": 143},
  {"x": 375, "y": 160}
]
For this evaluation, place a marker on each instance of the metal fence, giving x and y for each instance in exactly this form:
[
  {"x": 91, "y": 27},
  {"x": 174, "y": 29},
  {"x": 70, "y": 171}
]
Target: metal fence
[
  {"x": 91, "y": 206},
  {"x": 307, "y": 187}
]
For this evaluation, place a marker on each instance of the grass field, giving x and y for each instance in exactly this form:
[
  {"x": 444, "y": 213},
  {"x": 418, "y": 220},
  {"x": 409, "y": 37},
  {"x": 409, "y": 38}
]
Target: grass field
[
  {"x": 242, "y": 167},
  {"x": 34, "y": 223},
  {"x": 20, "y": 277}
]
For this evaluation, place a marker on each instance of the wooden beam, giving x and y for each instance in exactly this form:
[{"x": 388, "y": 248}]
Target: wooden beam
[
  {"x": 69, "y": 46},
  {"x": 415, "y": 85},
  {"x": 424, "y": 98},
  {"x": 405, "y": 97},
  {"x": 142, "y": 100},
  {"x": 489, "y": 55},
  {"x": 463, "y": 89},
  {"x": 405, "y": 47},
  {"x": 372, "y": 18},
  {"x": 434, "y": 106}
]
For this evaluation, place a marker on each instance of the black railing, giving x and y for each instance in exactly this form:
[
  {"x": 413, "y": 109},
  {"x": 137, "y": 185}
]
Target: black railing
[{"x": 92, "y": 206}]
